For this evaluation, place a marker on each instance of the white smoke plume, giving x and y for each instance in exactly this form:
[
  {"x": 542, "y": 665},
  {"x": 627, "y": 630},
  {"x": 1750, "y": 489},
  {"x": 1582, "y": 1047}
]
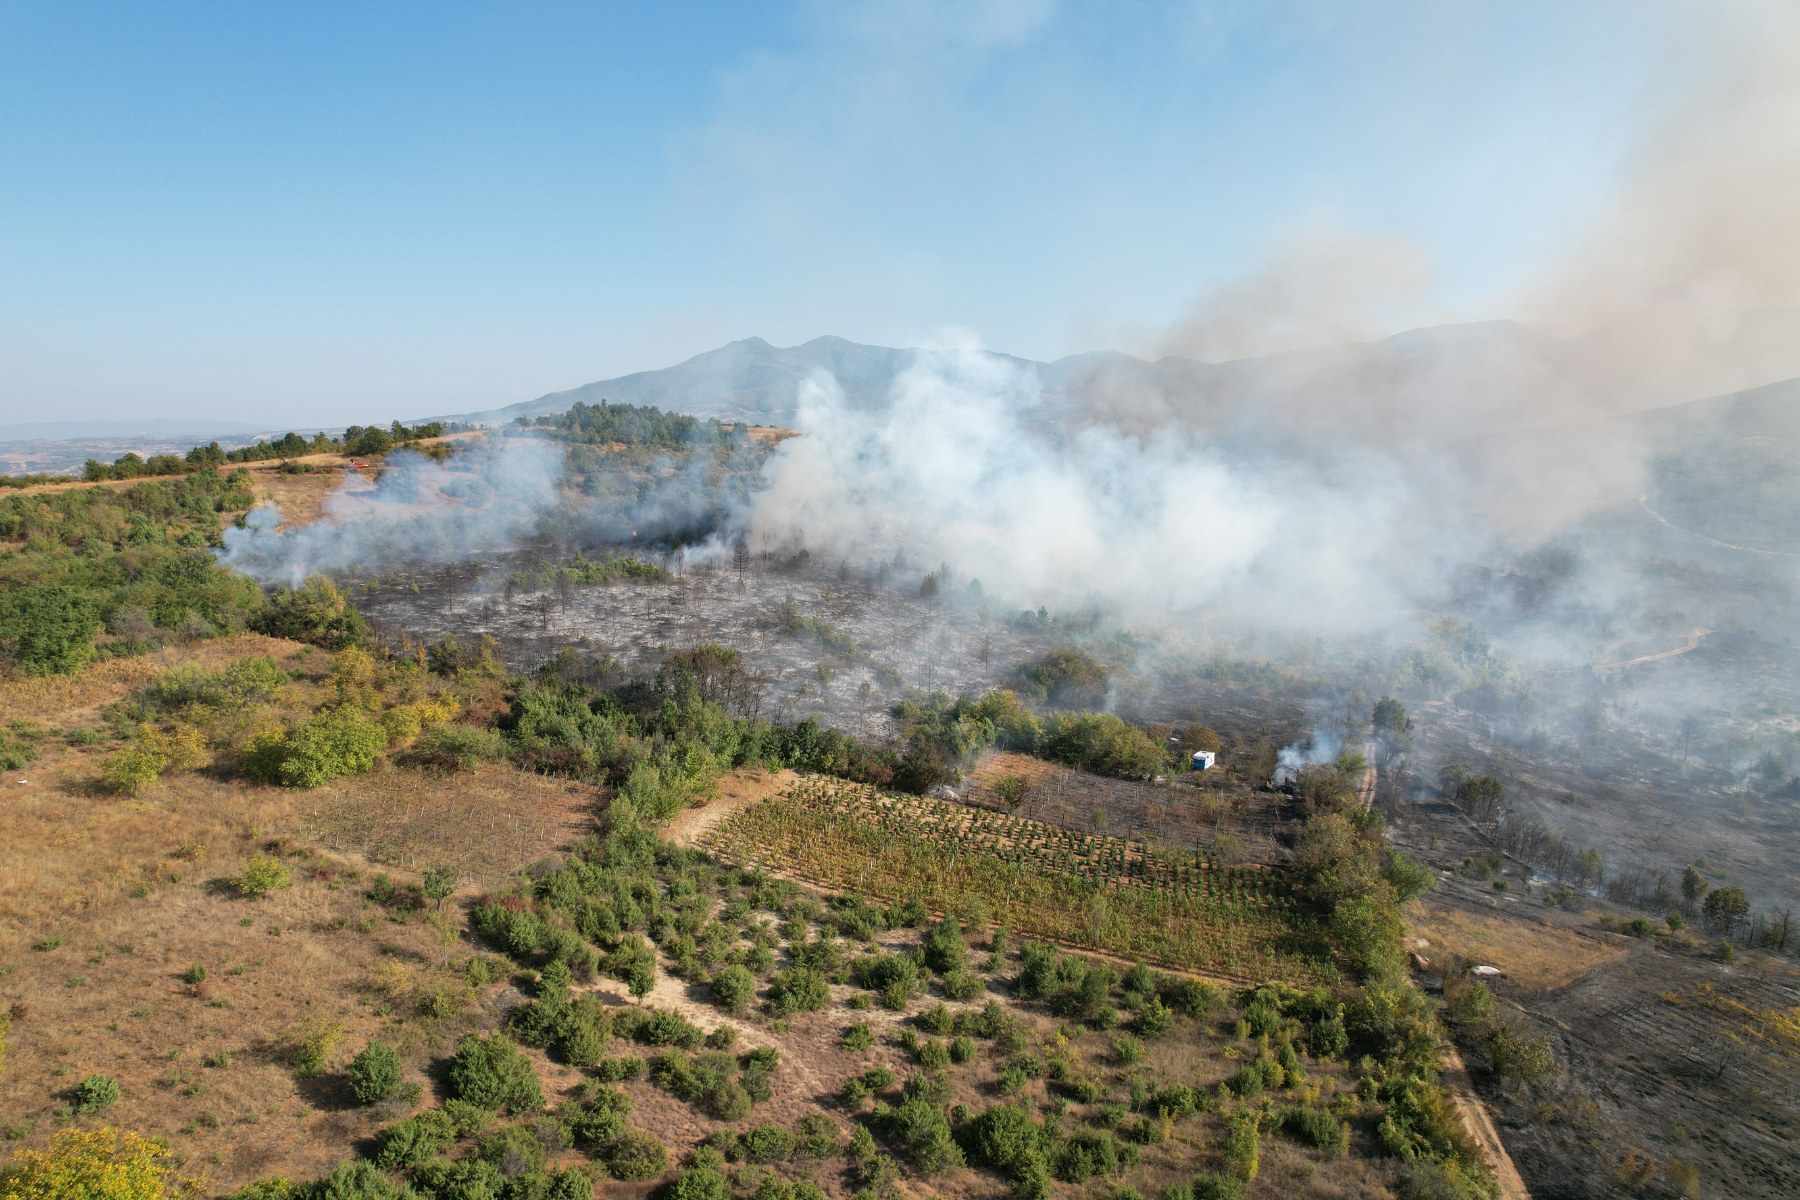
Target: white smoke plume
[
  {"x": 963, "y": 467},
  {"x": 484, "y": 500}
]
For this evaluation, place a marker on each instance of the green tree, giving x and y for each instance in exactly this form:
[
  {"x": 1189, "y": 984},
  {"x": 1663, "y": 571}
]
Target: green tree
[
  {"x": 1693, "y": 885},
  {"x": 1725, "y": 907},
  {"x": 49, "y": 629},
  {"x": 438, "y": 884}
]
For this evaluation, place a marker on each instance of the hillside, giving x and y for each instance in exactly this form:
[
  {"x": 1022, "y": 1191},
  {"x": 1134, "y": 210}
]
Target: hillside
[{"x": 1435, "y": 379}]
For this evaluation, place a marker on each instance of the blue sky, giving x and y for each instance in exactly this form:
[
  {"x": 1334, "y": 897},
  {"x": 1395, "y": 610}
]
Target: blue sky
[{"x": 301, "y": 214}]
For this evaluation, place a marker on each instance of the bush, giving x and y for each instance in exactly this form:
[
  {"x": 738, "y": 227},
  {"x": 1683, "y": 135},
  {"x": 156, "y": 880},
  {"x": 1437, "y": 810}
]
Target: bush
[
  {"x": 921, "y": 1132},
  {"x": 513, "y": 1149},
  {"x": 488, "y": 1072},
  {"x": 1066, "y": 678},
  {"x": 636, "y": 1155},
  {"x": 48, "y": 629},
  {"x": 1092, "y": 1153},
  {"x": 131, "y": 771},
  {"x": 327, "y": 745},
  {"x": 798, "y": 989},
  {"x": 91, "y": 1164},
  {"x": 763, "y": 1144},
  {"x": 359, "y": 1181},
  {"x": 700, "y": 1183},
  {"x": 733, "y": 988},
  {"x": 453, "y": 748},
  {"x": 815, "y": 1136},
  {"x": 264, "y": 873},
  {"x": 95, "y": 1093},
  {"x": 408, "y": 1143},
  {"x": 857, "y": 1037},
  {"x": 1317, "y": 1128},
  {"x": 375, "y": 1073},
  {"x": 945, "y": 950},
  {"x": 1006, "y": 1139},
  {"x": 314, "y": 612},
  {"x": 1243, "y": 1148}
]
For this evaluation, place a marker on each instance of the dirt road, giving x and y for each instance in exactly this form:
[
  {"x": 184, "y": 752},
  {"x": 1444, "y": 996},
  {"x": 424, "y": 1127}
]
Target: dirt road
[
  {"x": 1644, "y": 503},
  {"x": 1692, "y": 642},
  {"x": 1480, "y": 1126}
]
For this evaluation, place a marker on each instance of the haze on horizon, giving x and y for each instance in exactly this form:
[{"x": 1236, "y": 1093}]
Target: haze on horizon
[{"x": 321, "y": 216}]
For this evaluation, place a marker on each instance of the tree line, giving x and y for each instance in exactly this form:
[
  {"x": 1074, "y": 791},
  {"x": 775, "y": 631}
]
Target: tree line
[
  {"x": 635, "y": 425},
  {"x": 356, "y": 441}
]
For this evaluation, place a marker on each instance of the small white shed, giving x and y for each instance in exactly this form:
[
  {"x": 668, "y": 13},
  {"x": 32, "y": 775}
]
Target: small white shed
[{"x": 1204, "y": 759}]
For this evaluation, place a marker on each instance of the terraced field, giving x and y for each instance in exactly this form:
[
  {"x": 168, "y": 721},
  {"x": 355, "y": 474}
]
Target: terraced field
[{"x": 1122, "y": 897}]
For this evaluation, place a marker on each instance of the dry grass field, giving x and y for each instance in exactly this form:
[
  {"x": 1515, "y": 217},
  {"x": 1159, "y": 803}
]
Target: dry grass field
[{"x": 109, "y": 903}]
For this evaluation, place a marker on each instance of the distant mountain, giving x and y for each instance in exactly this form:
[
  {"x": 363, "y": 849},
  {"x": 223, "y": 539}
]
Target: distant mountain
[{"x": 1446, "y": 379}]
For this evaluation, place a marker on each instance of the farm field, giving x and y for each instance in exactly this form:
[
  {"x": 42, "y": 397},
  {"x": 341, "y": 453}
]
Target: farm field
[
  {"x": 1215, "y": 818},
  {"x": 1123, "y": 897}
]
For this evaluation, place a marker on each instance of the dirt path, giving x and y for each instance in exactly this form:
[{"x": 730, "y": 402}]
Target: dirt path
[
  {"x": 1480, "y": 1126},
  {"x": 1695, "y": 636},
  {"x": 1365, "y": 793},
  {"x": 1644, "y": 503},
  {"x": 739, "y": 789}
]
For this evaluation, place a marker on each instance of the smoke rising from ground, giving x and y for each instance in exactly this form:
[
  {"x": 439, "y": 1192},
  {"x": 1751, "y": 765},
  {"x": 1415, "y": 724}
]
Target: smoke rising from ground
[
  {"x": 960, "y": 468},
  {"x": 488, "y": 498}
]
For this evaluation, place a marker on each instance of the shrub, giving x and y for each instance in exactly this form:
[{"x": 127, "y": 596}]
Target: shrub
[
  {"x": 95, "y": 1093},
  {"x": 920, "y": 1131},
  {"x": 815, "y": 1136},
  {"x": 375, "y": 1073},
  {"x": 1316, "y": 1127},
  {"x": 700, "y": 1183},
  {"x": 1243, "y": 1147},
  {"x": 453, "y": 748},
  {"x": 1092, "y": 1153},
  {"x": 1210, "y": 1185},
  {"x": 962, "y": 984},
  {"x": 733, "y": 988},
  {"x": 798, "y": 989},
  {"x": 1154, "y": 1019},
  {"x": 48, "y": 629},
  {"x": 636, "y": 1155},
  {"x": 131, "y": 771},
  {"x": 513, "y": 1149},
  {"x": 327, "y": 745},
  {"x": 945, "y": 950},
  {"x": 894, "y": 977},
  {"x": 92, "y": 1164},
  {"x": 1006, "y": 1139},
  {"x": 408, "y": 1143},
  {"x": 264, "y": 873},
  {"x": 315, "y": 612},
  {"x": 857, "y": 1037},
  {"x": 764, "y": 1144},
  {"x": 490, "y": 1073}
]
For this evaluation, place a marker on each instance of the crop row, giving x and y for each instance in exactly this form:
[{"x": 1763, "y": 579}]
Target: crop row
[{"x": 1086, "y": 890}]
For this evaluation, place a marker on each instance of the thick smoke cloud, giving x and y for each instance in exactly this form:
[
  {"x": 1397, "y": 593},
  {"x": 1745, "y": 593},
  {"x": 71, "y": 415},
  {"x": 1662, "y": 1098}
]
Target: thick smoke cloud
[
  {"x": 1689, "y": 282},
  {"x": 484, "y": 500},
  {"x": 959, "y": 468}
]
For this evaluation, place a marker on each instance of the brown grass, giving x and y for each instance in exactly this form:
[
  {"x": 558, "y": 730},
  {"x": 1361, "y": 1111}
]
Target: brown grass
[
  {"x": 268, "y": 467},
  {"x": 738, "y": 789},
  {"x": 1532, "y": 954},
  {"x": 204, "y": 1065}
]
